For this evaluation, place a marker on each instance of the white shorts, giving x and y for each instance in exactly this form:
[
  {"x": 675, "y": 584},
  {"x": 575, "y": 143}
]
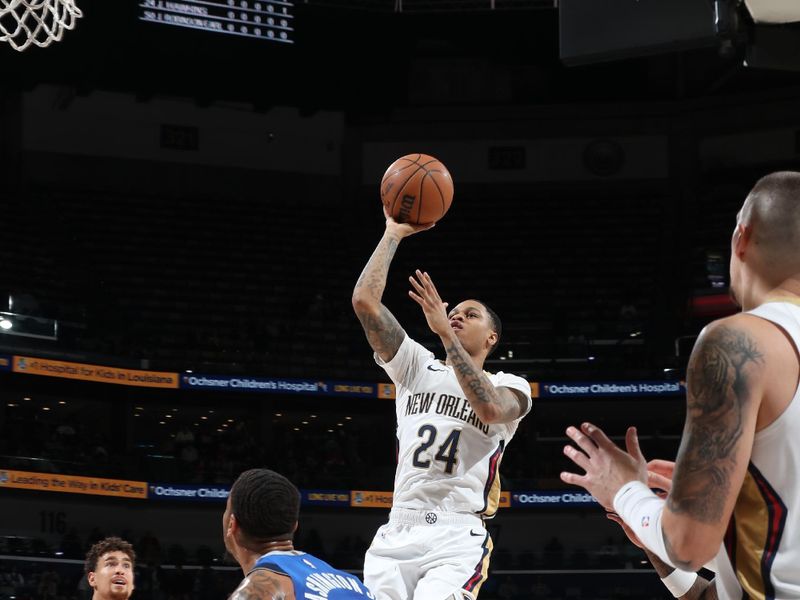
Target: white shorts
[{"x": 428, "y": 555}]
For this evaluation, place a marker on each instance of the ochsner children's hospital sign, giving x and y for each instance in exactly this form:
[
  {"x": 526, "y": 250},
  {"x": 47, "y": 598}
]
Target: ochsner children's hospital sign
[{"x": 611, "y": 388}]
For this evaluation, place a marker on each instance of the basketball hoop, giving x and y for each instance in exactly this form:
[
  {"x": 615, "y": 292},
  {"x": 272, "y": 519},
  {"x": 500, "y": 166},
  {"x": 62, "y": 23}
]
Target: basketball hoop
[{"x": 40, "y": 22}]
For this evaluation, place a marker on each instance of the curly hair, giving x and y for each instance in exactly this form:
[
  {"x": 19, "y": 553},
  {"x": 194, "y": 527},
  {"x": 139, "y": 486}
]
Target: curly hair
[
  {"x": 265, "y": 504},
  {"x": 109, "y": 544}
]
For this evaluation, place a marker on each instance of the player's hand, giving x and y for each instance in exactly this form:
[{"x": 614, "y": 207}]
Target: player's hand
[
  {"x": 659, "y": 474},
  {"x": 430, "y": 301},
  {"x": 607, "y": 466},
  {"x": 403, "y": 229}
]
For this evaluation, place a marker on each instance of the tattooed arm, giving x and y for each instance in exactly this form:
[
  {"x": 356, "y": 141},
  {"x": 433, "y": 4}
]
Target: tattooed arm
[
  {"x": 382, "y": 329},
  {"x": 264, "y": 585},
  {"x": 725, "y": 384},
  {"x": 491, "y": 404}
]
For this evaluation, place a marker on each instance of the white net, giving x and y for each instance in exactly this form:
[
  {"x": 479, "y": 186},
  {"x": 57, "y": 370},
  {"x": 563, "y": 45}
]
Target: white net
[{"x": 39, "y": 22}]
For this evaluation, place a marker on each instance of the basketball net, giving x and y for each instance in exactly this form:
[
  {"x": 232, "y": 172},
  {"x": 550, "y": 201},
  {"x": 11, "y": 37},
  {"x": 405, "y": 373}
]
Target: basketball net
[{"x": 40, "y": 22}]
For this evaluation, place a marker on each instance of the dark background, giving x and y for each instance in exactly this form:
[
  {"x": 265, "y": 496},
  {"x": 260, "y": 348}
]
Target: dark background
[{"x": 184, "y": 200}]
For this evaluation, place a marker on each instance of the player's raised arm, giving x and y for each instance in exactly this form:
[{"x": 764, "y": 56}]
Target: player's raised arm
[
  {"x": 491, "y": 404},
  {"x": 382, "y": 329}
]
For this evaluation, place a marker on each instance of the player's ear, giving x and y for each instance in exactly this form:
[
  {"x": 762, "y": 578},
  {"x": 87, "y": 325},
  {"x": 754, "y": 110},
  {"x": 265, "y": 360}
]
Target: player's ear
[
  {"x": 492, "y": 339},
  {"x": 90, "y": 578},
  {"x": 741, "y": 239},
  {"x": 233, "y": 526}
]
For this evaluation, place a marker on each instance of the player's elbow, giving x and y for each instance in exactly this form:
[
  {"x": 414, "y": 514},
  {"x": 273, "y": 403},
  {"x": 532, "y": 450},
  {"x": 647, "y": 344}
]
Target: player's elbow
[
  {"x": 488, "y": 414},
  {"x": 363, "y": 303},
  {"x": 689, "y": 548}
]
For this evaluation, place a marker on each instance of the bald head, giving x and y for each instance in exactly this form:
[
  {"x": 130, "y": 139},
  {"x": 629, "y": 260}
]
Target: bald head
[{"x": 772, "y": 213}]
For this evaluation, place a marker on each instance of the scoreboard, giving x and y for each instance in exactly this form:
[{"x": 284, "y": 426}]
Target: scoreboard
[{"x": 270, "y": 20}]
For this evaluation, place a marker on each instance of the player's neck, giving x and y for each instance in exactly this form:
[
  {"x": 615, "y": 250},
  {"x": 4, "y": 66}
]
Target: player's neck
[
  {"x": 247, "y": 558},
  {"x": 788, "y": 291},
  {"x": 100, "y": 596}
]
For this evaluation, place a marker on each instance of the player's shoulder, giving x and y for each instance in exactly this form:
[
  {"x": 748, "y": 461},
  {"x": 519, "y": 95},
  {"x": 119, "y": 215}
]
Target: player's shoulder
[
  {"x": 263, "y": 584},
  {"x": 742, "y": 331},
  {"x": 503, "y": 376},
  {"x": 419, "y": 349}
]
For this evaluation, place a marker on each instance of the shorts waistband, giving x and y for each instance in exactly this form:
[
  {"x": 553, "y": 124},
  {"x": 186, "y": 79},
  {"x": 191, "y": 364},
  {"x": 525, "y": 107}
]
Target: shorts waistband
[{"x": 411, "y": 516}]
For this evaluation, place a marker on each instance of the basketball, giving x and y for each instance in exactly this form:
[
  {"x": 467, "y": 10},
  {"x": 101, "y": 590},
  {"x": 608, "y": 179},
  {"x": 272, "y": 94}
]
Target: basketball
[{"x": 417, "y": 188}]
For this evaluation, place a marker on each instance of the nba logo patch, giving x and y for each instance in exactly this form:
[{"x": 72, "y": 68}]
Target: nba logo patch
[
  {"x": 4, "y": 477},
  {"x": 646, "y": 521}
]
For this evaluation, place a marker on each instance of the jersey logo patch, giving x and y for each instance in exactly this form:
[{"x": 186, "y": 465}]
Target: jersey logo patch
[
  {"x": 475, "y": 534},
  {"x": 431, "y": 518},
  {"x": 430, "y": 368}
]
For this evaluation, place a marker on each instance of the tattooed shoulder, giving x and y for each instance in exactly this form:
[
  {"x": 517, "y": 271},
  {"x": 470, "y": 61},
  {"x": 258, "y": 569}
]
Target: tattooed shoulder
[
  {"x": 720, "y": 367},
  {"x": 384, "y": 333},
  {"x": 260, "y": 585}
]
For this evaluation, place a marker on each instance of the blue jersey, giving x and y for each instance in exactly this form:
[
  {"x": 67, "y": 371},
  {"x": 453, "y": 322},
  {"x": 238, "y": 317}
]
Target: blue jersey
[{"x": 313, "y": 578}]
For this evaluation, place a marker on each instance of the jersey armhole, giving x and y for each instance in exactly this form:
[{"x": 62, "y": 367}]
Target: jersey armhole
[{"x": 794, "y": 344}]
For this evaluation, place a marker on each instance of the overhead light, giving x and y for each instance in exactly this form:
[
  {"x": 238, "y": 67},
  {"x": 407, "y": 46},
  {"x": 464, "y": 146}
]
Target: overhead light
[
  {"x": 205, "y": 418},
  {"x": 278, "y": 414},
  {"x": 349, "y": 418},
  {"x": 162, "y": 422},
  {"x": 62, "y": 402},
  {"x": 46, "y": 408},
  {"x": 590, "y": 358},
  {"x": 305, "y": 422},
  {"x": 5, "y": 324}
]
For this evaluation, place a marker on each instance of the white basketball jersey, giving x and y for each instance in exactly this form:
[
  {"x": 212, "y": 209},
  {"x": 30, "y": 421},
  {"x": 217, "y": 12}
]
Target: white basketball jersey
[
  {"x": 763, "y": 540},
  {"x": 447, "y": 459}
]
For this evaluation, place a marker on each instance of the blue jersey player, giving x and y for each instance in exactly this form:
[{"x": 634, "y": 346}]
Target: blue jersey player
[{"x": 258, "y": 526}]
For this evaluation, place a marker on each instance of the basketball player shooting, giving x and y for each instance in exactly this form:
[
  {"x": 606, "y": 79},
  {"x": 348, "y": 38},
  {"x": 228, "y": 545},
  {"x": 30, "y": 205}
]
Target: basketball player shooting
[
  {"x": 736, "y": 478},
  {"x": 454, "y": 422}
]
